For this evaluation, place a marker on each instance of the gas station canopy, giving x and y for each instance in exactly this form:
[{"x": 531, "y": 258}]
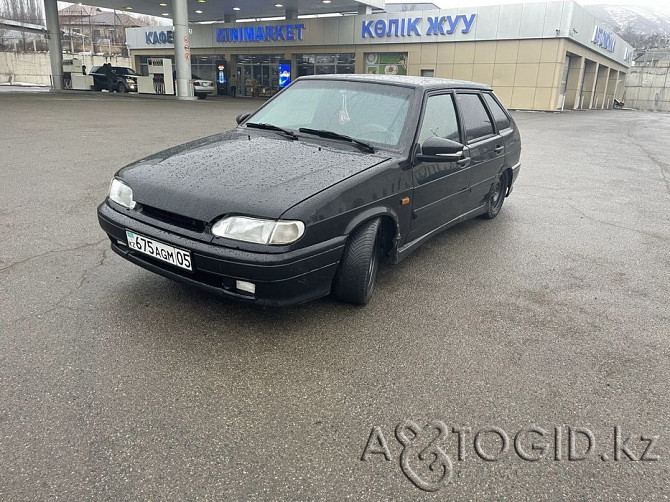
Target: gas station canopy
[
  {"x": 184, "y": 12},
  {"x": 218, "y": 10}
]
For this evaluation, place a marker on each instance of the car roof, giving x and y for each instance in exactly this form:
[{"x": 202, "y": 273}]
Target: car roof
[{"x": 424, "y": 83}]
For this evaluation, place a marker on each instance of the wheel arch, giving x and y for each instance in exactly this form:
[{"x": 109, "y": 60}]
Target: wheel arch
[{"x": 389, "y": 225}]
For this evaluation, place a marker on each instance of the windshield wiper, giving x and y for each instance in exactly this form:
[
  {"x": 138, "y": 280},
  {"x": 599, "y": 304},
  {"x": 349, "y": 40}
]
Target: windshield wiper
[
  {"x": 271, "y": 127},
  {"x": 334, "y": 135}
]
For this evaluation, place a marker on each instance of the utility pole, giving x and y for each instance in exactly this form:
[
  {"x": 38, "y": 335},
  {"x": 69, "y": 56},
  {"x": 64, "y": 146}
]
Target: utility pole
[{"x": 115, "y": 36}]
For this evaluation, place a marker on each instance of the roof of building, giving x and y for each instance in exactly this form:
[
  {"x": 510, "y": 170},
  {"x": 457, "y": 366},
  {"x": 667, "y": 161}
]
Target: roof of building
[
  {"x": 653, "y": 55},
  {"x": 114, "y": 19},
  {"x": 219, "y": 10},
  {"x": 78, "y": 10}
]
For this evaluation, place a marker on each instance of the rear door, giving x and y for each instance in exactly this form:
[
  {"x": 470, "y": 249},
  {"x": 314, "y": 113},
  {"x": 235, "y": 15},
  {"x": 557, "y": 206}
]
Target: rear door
[
  {"x": 486, "y": 146},
  {"x": 440, "y": 188},
  {"x": 95, "y": 73},
  {"x": 506, "y": 128}
]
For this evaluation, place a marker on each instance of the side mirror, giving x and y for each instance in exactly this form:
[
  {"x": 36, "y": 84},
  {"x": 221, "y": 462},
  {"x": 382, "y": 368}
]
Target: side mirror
[
  {"x": 440, "y": 150},
  {"x": 242, "y": 117}
]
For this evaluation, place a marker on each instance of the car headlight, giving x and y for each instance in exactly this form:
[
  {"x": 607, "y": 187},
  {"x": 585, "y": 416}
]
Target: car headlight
[
  {"x": 243, "y": 228},
  {"x": 121, "y": 193}
]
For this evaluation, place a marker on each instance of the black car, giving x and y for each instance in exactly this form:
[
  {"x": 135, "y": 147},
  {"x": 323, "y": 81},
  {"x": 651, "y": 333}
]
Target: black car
[
  {"x": 114, "y": 78},
  {"x": 311, "y": 191}
]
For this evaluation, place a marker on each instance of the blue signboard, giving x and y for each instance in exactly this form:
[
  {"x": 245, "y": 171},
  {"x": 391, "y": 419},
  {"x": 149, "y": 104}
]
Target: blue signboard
[
  {"x": 284, "y": 74},
  {"x": 159, "y": 37},
  {"x": 278, "y": 32},
  {"x": 438, "y": 25},
  {"x": 603, "y": 39}
]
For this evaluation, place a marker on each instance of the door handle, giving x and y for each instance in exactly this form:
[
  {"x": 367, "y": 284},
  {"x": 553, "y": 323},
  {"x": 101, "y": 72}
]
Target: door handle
[
  {"x": 499, "y": 148},
  {"x": 464, "y": 162}
]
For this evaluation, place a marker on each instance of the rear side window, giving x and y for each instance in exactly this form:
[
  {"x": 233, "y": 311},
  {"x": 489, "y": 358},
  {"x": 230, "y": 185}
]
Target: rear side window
[
  {"x": 499, "y": 116},
  {"x": 477, "y": 121}
]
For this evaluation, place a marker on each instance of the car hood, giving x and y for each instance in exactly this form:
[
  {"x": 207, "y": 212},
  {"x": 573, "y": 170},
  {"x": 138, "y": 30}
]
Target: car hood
[{"x": 254, "y": 173}]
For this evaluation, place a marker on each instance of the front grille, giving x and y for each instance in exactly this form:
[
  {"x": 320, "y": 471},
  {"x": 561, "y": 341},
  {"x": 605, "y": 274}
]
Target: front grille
[{"x": 174, "y": 219}]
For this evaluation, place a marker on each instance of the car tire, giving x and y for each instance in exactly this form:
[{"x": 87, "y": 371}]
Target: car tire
[
  {"x": 496, "y": 197},
  {"x": 121, "y": 89},
  {"x": 356, "y": 276}
]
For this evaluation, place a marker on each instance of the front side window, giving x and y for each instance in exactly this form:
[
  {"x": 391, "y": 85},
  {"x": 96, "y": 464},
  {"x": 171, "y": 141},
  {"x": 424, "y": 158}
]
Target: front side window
[
  {"x": 374, "y": 113},
  {"x": 439, "y": 119},
  {"x": 477, "y": 121}
]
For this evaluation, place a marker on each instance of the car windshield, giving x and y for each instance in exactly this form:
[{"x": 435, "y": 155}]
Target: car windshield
[{"x": 369, "y": 112}]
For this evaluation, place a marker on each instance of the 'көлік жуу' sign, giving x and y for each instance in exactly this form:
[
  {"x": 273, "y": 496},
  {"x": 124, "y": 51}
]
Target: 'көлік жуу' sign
[
  {"x": 272, "y": 33},
  {"x": 411, "y": 26}
]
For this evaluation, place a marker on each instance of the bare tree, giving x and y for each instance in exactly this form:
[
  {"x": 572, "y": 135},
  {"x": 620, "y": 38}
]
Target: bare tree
[{"x": 23, "y": 11}]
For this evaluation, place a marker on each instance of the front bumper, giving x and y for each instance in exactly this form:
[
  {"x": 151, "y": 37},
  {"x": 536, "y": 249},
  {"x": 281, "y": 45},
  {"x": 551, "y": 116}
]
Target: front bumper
[{"x": 281, "y": 279}]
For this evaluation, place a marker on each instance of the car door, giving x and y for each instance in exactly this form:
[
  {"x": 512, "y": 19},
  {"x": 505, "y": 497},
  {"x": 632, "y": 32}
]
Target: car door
[
  {"x": 506, "y": 129},
  {"x": 440, "y": 187},
  {"x": 486, "y": 146},
  {"x": 95, "y": 73},
  {"x": 102, "y": 77}
]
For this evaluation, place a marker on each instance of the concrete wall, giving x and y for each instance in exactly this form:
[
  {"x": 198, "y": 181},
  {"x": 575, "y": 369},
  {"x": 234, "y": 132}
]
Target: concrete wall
[
  {"x": 648, "y": 89},
  {"x": 35, "y": 68}
]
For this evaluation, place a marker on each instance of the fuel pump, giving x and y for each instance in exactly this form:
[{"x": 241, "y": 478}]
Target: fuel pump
[
  {"x": 160, "y": 80},
  {"x": 74, "y": 76}
]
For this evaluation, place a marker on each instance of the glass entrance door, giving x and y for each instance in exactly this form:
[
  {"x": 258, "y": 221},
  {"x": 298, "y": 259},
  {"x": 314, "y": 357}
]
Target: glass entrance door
[{"x": 259, "y": 74}]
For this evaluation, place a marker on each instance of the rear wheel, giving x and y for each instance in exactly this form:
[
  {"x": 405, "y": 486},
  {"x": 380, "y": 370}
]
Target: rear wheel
[
  {"x": 356, "y": 276},
  {"x": 497, "y": 196}
]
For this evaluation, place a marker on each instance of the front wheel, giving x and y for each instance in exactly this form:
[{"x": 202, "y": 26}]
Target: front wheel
[
  {"x": 121, "y": 88},
  {"x": 496, "y": 197},
  {"x": 356, "y": 276}
]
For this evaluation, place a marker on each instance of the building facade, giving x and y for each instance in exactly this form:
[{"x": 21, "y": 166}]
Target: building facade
[{"x": 538, "y": 56}]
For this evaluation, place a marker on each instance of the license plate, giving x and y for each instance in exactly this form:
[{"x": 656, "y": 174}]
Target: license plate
[{"x": 158, "y": 250}]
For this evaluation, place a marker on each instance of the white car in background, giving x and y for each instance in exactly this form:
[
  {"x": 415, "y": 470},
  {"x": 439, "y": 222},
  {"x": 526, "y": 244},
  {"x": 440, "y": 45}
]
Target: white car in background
[{"x": 202, "y": 88}]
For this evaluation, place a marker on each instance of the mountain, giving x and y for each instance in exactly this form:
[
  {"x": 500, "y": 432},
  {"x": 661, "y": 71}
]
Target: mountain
[{"x": 641, "y": 26}]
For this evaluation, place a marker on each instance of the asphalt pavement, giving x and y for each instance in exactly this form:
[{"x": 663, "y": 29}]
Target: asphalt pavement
[{"x": 117, "y": 384}]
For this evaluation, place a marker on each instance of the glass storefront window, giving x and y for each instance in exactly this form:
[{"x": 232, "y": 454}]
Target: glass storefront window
[
  {"x": 258, "y": 74},
  {"x": 324, "y": 64}
]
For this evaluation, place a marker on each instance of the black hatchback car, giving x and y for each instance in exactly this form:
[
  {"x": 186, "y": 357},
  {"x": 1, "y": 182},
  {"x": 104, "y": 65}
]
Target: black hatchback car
[
  {"x": 311, "y": 191},
  {"x": 114, "y": 78}
]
